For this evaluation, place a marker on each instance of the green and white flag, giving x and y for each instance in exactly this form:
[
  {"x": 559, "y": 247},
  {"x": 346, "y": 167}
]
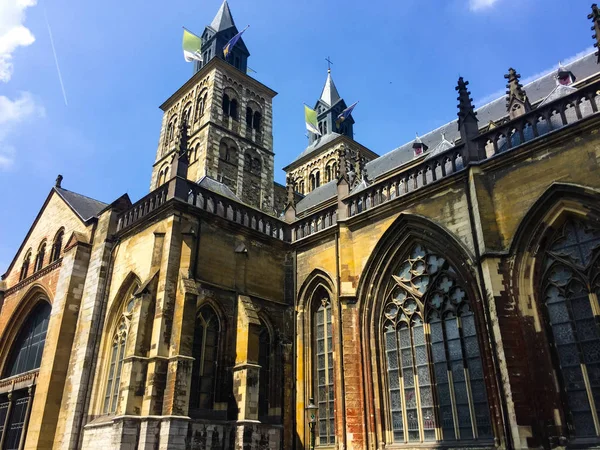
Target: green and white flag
[
  {"x": 310, "y": 117},
  {"x": 192, "y": 45}
]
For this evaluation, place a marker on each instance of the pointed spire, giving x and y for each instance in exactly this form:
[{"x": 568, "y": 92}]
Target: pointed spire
[
  {"x": 330, "y": 94},
  {"x": 467, "y": 120},
  {"x": 517, "y": 102},
  {"x": 595, "y": 17},
  {"x": 223, "y": 19}
]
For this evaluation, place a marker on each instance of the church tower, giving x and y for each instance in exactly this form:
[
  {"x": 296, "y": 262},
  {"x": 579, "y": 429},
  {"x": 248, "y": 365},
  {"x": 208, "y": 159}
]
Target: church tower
[
  {"x": 329, "y": 106},
  {"x": 318, "y": 164},
  {"x": 228, "y": 117}
]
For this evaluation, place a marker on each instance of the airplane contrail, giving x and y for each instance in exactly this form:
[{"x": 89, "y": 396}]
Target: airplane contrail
[{"x": 62, "y": 86}]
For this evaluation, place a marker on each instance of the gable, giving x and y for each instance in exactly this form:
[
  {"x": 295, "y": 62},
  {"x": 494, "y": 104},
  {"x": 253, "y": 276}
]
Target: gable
[{"x": 55, "y": 214}]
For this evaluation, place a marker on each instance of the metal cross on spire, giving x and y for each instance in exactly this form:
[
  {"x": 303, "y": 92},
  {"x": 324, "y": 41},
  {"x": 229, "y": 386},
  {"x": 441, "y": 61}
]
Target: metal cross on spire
[{"x": 329, "y": 63}]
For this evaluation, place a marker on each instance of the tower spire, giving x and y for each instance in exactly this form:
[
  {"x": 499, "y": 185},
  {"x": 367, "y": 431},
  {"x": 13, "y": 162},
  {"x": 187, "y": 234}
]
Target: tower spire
[
  {"x": 223, "y": 20},
  {"x": 330, "y": 94}
]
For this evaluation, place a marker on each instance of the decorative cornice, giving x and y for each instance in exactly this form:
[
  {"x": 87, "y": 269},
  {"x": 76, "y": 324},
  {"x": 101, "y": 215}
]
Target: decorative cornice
[{"x": 36, "y": 276}]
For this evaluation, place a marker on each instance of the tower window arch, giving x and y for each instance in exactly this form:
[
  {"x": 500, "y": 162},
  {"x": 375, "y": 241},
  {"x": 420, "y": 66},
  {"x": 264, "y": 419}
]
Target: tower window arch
[
  {"x": 39, "y": 259},
  {"x": 435, "y": 383},
  {"x": 569, "y": 291},
  {"x": 230, "y": 107},
  {"x": 201, "y": 104},
  {"x": 323, "y": 377},
  {"x": 27, "y": 349},
  {"x": 249, "y": 116},
  {"x": 57, "y": 245},
  {"x": 204, "y": 351}
]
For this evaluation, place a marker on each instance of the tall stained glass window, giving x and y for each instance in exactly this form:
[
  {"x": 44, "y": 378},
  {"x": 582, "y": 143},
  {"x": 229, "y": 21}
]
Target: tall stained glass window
[
  {"x": 434, "y": 369},
  {"x": 570, "y": 292},
  {"x": 26, "y": 352},
  {"x": 206, "y": 340},
  {"x": 323, "y": 364},
  {"x": 113, "y": 381}
]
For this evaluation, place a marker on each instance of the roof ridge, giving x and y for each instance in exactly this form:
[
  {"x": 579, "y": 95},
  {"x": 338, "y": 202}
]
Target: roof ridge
[{"x": 81, "y": 195}]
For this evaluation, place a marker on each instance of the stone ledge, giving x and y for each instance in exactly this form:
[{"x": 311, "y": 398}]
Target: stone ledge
[{"x": 37, "y": 275}]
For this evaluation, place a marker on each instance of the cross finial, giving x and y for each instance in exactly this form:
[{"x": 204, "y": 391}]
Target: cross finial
[{"x": 329, "y": 63}]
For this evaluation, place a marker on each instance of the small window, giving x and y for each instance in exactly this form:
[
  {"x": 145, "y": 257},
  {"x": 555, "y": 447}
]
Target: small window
[
  {"x": 256, "y": 121},
  {"x": 39, "y": 260},
  {"x": 25, "y": 266},
  {"x": 57, "y": 246},
  {"x": 249, "y": 115}
]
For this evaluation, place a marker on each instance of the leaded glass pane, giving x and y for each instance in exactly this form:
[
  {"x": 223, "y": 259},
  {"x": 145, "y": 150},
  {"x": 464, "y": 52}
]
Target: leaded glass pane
[{"x": 324, "y": 373}]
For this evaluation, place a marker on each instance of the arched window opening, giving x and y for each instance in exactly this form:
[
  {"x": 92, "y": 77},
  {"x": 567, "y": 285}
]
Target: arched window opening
[
  {"x": 39, "y": 259},
  {"x": 233, "y": 109},
  {"x": 186, "y": 114},
  {"x": 264, "y": 378},
  {"x": 26, "y": 351},
  {"x": 204, "y": 351},
  {"x": 256, "y": 121},
  {"x": 248, "y": 162},
  {"x": 323, "y": 366},
  {"x": 327, "y": 174},
  {"x": 117, "y": 354},
  {"x": 434, "y": 370},
  {"x": 57, "y": 246},
  {"x": 249, "y": 115},
  {"x": 334, "y": 173},
  {"x": 317, "y": 178},
  {"x": 226, "y": 105},
  {"x": 25, "y": 266},
  {"x": 569, "y": 291},
  {"x": 256, "y": 166},
  {"x": 301, "y": 188}
]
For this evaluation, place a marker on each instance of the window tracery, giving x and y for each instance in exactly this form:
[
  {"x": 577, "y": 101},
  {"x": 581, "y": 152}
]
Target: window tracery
[
  {"x": 204, "y": 351},
  {"x": 570, "y": 290},
  {"x": 435, "y": 374},
  {"x": 323, "y": 373}
]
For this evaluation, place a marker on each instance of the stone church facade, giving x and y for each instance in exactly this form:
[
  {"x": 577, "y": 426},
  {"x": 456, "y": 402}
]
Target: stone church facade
[{"x": 444, "y": 294}]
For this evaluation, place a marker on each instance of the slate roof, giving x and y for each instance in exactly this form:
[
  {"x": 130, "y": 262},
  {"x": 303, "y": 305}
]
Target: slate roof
[
  {"x": 217, "y": 187},
  {"x": 543, "y": 89},
  {"x": 85, "y": 207},
  {"x": 319, "y": 195},
  {"x": 320, "y": 142},
  {"x": 223, "y": 19},
  {"x": 537, "y": 90},
  {"x": 558, "y": 92},
  {"x": 330, "y": 94}
]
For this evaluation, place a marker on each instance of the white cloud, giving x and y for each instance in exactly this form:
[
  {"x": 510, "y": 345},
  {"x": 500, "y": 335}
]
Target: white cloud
[
  {"x": 12, "y": 114},
  {"x": 476, "y": 5},
  {"x": 13, "y": 34}
]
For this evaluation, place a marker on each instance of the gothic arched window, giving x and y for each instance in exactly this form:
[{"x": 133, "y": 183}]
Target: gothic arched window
[
  {"x": 323, "y": 366},
  {"x": 264, "y": 378},
  {"x": 57, "y": 246},
  {"x": 570, "y": 290},
  {"x": 25, "y": 266},
  {"x": 434, "y": 370},
  {"x": 39, "y": 259},
  {"x": 113, "y": 381},
  {"x": 204, "y": 351},
  {"x": 26, "y": 351}
]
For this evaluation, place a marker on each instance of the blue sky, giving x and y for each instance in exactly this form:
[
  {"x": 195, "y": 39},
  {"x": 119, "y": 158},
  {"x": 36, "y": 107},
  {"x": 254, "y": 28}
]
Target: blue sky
[{"x": 121, "y": 59}]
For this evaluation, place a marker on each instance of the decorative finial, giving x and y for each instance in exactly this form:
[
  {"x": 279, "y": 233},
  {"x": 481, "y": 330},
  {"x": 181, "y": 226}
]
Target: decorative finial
[
  {"x": 342, "y": 164},
  {"x": 59, "y": 179},
  {"x": 465, "y": 102},
  {"x": 517, "y": 102},
  {"x": 595, "y": 17},
  {"x": 329, "y": 63},
  {"x": 291, "y": 199}
]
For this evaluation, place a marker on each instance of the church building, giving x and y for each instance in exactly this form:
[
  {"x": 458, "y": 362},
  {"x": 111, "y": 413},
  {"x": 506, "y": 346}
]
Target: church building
[{"x": 442, "y": 295}]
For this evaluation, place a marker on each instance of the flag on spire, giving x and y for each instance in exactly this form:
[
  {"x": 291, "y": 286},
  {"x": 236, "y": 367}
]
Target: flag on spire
[
  {"x": 345, "y": 114},
  {"x": 229, "y": 46},
  {"x": 192, "y": 45},
  {"x": 310, "y": 117}
]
